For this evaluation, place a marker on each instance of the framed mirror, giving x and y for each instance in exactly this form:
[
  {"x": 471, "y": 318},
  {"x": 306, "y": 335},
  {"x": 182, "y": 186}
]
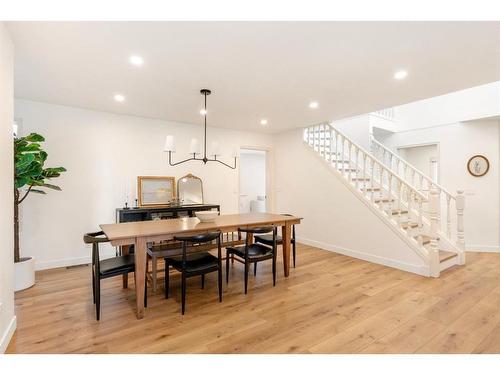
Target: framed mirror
[{"x": 190, "y": 190}]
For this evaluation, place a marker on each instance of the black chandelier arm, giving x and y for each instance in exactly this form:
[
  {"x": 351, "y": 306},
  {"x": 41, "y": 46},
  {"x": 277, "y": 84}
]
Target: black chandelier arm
[
  {"x": 227, "y": 165},
  {"x": 179, "y": 162}
]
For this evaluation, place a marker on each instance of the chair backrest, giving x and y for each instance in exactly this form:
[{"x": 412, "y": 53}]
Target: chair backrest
[
  {"x": 198, "y": 239},
  {"x": 95, "y": 238},
  {"x": 258, "y": 230}
]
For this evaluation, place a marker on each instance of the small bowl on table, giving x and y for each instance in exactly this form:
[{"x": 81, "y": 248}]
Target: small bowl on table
[{"x": 206, "y": 216}]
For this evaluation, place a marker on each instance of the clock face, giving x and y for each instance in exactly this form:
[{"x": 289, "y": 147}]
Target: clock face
[{"x": 478, "y": 165}]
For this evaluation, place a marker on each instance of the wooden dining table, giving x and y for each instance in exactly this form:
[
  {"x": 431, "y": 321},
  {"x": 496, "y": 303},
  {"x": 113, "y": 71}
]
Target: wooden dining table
[{"x": 141, "y": 233}]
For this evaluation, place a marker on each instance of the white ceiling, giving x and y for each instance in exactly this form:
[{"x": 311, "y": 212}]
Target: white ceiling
[{"x": 255, "y": 70}]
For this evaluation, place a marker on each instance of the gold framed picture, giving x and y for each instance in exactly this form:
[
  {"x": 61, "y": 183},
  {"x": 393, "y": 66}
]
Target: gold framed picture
[
  {"x": 478, "y": 165},
  {"x": 155, "y": 190}
]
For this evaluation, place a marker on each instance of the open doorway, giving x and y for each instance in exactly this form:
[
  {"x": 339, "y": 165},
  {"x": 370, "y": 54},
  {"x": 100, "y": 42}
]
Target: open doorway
[{"x": 253, "y": 181}]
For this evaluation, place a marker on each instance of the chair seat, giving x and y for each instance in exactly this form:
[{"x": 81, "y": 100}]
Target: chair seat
[
  {"x": 255, "y": 250},
  {"x": 267, "y": 239},
  {"x": 195, "y": 263},
  {"x": 117, "y": 265}
]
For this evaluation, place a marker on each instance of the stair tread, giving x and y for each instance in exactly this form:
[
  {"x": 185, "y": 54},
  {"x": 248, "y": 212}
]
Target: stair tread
[
  {"x": 409, "y": 224},
  {"x": 397, "y": 212},
  {"x": 445, "y": 255},
  {"x": 425, "y": 239},
  {"x": 384, "y": 200}
]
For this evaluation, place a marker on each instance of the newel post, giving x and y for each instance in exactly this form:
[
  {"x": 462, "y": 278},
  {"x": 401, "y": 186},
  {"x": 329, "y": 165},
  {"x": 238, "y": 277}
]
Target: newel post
[
  {"x": 434, "y": 218},
  {"x": 460, "y": 225}
]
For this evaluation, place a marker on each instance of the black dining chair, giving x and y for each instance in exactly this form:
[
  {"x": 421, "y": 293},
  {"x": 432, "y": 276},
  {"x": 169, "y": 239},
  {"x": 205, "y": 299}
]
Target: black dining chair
[
  {"x": 102, "y": 269},
  {"x": 195, "y": 263},
  {"x": 253, "y": 253},
  {"x": 267, "y": 239}
]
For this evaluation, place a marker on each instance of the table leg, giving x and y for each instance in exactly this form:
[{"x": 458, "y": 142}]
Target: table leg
[
  {"x": 286, "y": 232},
  {"x": 140, "y": 274},
  {"x": 125, "y": 251}
]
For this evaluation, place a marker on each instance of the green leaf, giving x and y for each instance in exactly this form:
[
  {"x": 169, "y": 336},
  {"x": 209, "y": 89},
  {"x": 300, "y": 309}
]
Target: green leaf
[
  {"x": 53, "y": 187},
  {"x": 37, "y": 191},
  {"x": 20, "y": 182},
  {"x": 24, "y": 161},
  {"x": 32, "y": 147},
  {"x": 53, "y": 172},
  {"x": 34, "y": 137}
]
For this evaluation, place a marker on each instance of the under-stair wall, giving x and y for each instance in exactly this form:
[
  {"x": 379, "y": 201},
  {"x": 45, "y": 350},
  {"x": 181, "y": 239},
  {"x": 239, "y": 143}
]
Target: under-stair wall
[{"x": 335, "y": 217}]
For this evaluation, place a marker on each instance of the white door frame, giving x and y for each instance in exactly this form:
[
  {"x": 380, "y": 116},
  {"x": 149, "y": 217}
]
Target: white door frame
[
  {"x": 269, "y": 176},
  {"x": 438, "y": 158}
]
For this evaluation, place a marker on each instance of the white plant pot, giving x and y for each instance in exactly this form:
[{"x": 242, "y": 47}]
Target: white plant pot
[{"x": 24, "y": 273}]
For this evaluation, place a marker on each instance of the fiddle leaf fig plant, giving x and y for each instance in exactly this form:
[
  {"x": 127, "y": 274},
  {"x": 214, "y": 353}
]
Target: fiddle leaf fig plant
[{"x": 30, "y": 176}]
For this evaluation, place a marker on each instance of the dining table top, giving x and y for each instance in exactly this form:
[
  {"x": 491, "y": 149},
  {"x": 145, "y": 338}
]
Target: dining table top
[{"x": 153, "y": 228}]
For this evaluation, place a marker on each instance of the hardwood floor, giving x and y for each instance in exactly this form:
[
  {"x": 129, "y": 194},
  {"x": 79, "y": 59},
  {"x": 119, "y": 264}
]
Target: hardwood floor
[{"x": 330, "y": 304}]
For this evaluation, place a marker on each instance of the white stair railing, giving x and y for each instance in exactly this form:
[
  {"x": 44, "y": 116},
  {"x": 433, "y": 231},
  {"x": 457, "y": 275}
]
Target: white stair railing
[
  {"x": 452, "y": 205},
  {"x": 389, "y": 191}
]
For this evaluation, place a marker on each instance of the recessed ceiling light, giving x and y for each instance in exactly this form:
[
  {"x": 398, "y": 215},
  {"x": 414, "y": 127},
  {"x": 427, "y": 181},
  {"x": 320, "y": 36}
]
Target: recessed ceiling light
[
  {"x": 136, "y": 60},
  {"x": 263, "y": 122},
  {"x": 401, "y": 74},
  {"x": 313, "y": 105},
  {"x": 119, "y": 98},
  {"x": 203, "y": 112}
]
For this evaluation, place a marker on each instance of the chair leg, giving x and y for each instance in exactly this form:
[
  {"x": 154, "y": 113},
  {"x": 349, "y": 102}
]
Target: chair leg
[
  {"x": 232, "y": 258},
  {"x": 293, "y": 253},
  {"x": 167, "y": 277},
  {"x": 98, "y": 298},
  {"x": 274, "y": 271},
  {"x": 227, "y": 267},
  {"x": 246, "y": 276},
  {"x": 146, "y": 284},
  {"x": 183, "y": 293},
  {"x": 203, "y": 281},
  {"x": 93, "y": 285},
  {"x": 154, "y": 272},
  {"x": 255, "y": 269},
  {"x": 219, "y": 276}
]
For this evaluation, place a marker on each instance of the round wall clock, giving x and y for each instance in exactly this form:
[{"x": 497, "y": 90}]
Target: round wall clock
[{"x": 478, "y": 165}]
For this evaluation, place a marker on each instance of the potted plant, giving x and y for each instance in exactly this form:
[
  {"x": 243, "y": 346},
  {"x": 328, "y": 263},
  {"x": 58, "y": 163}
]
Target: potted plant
[{"x": 30, "y": 176}]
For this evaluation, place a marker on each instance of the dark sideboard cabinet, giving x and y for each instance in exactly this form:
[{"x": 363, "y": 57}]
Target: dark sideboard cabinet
[{"x": 165, "y": 212}]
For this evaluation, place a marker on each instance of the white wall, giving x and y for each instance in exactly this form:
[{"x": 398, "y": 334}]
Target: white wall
[
  {"x": 420, "y": 157},
  {"x": 356, "y": 128},
  {"x": 333, "y": 216},
  {"x": 457, "y": 143},
  {"x": 102, "y": 153},
  {"x": 7, "y": 318},
  {"x": 474, "y": 103},
  {"x": 252, "y": 177}
]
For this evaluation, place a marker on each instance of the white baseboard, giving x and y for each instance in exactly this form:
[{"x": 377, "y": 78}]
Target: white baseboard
[
  {"x": 68, "y": 262},
  {"x": 7, "y": 335},
  {"x": 418, "y": 269},
  {"x": 61, "y": 263},
  {"x": 482, "y": 249}
]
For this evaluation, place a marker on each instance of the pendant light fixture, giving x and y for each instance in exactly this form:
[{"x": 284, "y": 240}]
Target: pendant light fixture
[{"x": 194, "y": 146}]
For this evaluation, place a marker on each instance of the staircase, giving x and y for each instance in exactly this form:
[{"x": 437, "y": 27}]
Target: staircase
[{"x": 407, "y": 200}]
